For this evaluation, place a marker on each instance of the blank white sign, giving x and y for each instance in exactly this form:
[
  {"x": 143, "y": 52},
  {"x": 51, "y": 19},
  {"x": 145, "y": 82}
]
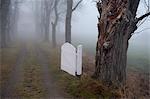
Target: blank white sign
[
  {"x": 79, "y": 60},
  {"x": 68, "y": 58}
]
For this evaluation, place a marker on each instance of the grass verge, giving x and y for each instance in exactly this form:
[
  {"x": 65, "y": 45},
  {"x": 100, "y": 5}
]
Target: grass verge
[
  {"x": 8, "y": 58},
  {"x": 84, "y": 87}
]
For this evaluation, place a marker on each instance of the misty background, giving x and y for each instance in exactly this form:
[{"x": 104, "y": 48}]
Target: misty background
[{"x": 84, "y": 31}]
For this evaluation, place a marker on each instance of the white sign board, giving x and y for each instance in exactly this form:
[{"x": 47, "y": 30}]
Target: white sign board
[
  {"x": 68, "y": 58},
  {"x": 79, "y": 60},
  {"x": 71, "y": 59}
]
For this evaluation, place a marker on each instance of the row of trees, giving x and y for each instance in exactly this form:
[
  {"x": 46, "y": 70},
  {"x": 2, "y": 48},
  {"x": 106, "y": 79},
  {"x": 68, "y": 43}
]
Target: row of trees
[
  {"x": 50, "y": 13},
  {"x": 117, "y": 23},
  {"x": 9, "y": 15},
  {"x": 4, "y": 7}
]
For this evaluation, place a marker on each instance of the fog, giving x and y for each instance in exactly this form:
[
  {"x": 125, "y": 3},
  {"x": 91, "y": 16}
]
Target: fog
[
  {"x": 26, "y": 21},
  {"x": 85, "y": 31},
  {"x": 84, "y": 25},
  {"x": 84, "y": 28}
]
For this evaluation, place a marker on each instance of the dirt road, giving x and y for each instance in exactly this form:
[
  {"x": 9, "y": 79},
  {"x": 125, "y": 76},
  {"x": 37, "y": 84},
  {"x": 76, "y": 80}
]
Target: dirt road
[
  {"x": 31, "y": 77},
  {"x": 15, "y": 76},
  {"x": 49, "y": 83}
]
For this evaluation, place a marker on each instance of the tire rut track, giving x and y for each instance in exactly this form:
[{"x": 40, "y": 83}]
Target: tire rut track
[
  {"x": 31, "y": 85},
  {"x": 48, "y": 82},
  {"x": 15, "y": 76}
]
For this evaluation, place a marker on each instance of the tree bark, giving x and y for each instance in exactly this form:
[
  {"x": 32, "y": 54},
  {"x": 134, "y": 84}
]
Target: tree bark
[{"x": 116, "y": 24}]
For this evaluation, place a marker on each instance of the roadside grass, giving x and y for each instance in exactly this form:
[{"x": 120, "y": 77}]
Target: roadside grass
[
  {"x": 83, "y": 87},
  {"x": 31, "y": 86},
  {"x": 8, "y": 58}
]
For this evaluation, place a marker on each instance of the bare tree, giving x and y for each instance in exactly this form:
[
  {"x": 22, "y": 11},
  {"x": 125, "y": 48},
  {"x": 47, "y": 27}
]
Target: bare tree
[
  {"x": 54, "y": 24},
  {"x": 14, "y": 14},
  {"x": 59, "y": 12},
  {"x": 117, "y": 23},
  {"x": 46, "y": 8},
  {"x": 5, "y": 8},
  {"x": 70, "y": 10}
]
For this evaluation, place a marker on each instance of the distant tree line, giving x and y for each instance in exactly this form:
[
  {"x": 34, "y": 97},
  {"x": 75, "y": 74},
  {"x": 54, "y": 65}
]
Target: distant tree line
[
  {"x": 48, "y": 14},
  {"x": 51, "y": 13},
  {"x": 8, "y": 21}
]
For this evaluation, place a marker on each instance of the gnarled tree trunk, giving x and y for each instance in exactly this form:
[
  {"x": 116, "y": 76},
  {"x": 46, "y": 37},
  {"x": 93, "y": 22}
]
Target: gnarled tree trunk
[{"x": 116, "y": 24}]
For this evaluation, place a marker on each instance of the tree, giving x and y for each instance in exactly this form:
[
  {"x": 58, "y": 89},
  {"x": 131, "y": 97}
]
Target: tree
[
  {"x": 54, "y": 24},
  {"x": 59, "y": 10},
  {"x": 4, "y": 12},
  {"x": 46, "y": 9},
  {"x": 14, "y": 15},
  {"x": 117, "y": 23},
  {"x": 9, "y": 15},
  {"x": 70, "y": 10}
]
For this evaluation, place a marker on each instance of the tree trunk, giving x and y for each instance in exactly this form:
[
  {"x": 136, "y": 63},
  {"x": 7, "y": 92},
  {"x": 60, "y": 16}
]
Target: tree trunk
[
  {"x": 46, "y": 32},
  {"x": 3, "y": 30},
  {"x": 53, "y": 35},
  {"x": 54, "y": 25},
  {"x": 116, "y": 25},
  {"x": 47, "y": 8},
  {"x": 4, "y": 21},
  {"x": 47, "y": 24},
  {"x": 14, "y": 15},
  {"x": 68, "y": 21}
]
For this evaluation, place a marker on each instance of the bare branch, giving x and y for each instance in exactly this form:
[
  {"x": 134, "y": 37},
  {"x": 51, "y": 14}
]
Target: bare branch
[
  {"x": 77, "y": 5},
  {"x": 143, "y": 16}
]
